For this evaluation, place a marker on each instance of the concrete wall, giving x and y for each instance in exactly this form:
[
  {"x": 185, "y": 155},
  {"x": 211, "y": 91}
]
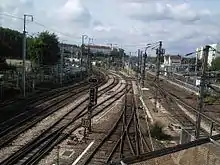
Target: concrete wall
[{"x": 19, "y": 63}]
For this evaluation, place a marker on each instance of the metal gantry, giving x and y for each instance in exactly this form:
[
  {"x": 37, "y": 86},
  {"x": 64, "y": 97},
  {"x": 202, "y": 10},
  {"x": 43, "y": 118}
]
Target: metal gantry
[{"x": 202, "y": 90}]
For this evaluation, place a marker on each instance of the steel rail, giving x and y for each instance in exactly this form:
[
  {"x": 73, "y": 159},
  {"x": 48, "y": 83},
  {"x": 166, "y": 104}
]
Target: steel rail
[
  {"x": 38, "y": 156},
  {"x": 4, "y": 139},
  {"x": 15, "y": 157}
]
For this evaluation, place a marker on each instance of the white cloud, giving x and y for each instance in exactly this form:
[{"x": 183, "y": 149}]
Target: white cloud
[
  {"x": 180, "y": 24},
  {"x": 74, "y": 11},
  {"x": 103, "y": 28},
  {"x": 182, "y": 12}
]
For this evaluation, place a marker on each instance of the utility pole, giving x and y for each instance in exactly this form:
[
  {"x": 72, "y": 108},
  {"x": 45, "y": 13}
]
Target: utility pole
[
  {"x": 129, "y": 61},
  {"x": 82, "y": 51},
  {"x": 24, "y": 52},
  {"x": 141, "y": 58},
  {"x": 144, "y": 67},
  {"x": 202, "y": 90},
  {"x": 109, "y": 56},
  {"x": 89, "y": 64},
  {"x": 159, "y": 53},
  {"x": 196, "y": 65},
  {"x": 61, "y": 67},
  {"x": 138, "y": 67},
  {"x": 58, "y": 155}
]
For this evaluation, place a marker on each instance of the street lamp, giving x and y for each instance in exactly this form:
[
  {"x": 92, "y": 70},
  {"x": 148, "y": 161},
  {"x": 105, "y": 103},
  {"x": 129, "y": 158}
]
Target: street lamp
[{"x": 24, "y": 51}]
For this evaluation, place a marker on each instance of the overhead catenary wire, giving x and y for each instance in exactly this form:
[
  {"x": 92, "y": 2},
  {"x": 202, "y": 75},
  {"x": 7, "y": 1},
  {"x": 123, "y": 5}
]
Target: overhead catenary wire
[
  {"x": 39, "y": 24},
  {"x": 12, "y": 16}
]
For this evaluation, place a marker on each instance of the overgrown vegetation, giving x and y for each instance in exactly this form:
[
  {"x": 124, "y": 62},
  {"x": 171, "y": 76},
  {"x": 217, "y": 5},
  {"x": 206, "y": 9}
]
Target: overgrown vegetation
[
  {"x": 211, "y": 99},
  {"x": 157, "y": 132},
  {"x": 42, "y": 49},
  {"x": 216, "y": 64}
]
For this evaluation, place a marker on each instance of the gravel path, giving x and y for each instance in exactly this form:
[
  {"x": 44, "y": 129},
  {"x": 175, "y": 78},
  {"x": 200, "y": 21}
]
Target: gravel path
[{"x": 35, "y": 131}]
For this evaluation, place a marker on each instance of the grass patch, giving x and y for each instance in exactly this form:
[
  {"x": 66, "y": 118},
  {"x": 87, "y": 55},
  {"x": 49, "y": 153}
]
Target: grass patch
[
  {"x": 211, "y": 99},
  {"x": 157, "y": 132}
]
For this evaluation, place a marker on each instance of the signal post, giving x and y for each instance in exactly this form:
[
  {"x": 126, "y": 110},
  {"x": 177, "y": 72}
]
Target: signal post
[{"x": 93, "y": 95}]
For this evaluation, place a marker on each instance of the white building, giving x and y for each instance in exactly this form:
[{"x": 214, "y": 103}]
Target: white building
[
  {"x": 69, "y": 50},
  {"x": 171, "y": 60},
  {"x": 19, "y": 63},
  {"x": 171, "y": 63},
  {"x": 214, "y": 52},
  {"x": 100, "y": 49}
]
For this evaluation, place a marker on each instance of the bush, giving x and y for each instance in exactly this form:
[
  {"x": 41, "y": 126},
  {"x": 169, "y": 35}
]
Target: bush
[
  {"x": 157, "y": 132},
  {"x": 211, "y": 99}
]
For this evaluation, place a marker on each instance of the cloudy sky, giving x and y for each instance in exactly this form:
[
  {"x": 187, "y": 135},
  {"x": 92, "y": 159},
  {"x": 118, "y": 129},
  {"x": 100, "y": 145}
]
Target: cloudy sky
[{"x": 182, "y": 25}]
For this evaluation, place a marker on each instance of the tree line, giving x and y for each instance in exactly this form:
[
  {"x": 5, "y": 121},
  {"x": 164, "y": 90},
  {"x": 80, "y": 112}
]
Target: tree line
[{"x": 42, "y": 49}]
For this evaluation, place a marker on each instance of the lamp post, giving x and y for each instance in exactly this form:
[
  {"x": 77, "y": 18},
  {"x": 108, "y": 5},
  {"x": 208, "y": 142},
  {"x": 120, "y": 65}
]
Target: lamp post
[{"x": 24, "y": 52}]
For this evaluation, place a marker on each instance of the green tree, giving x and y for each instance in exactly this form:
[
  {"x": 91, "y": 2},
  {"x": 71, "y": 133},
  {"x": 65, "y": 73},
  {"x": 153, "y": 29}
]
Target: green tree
[
  {"x": 99, "y": 54},
  {"x": 34, "y": 50},
  {"x": 3, "y": 64},
  {"x": 114, "y": 53},
  {"x": 215, "y": 64},
  {"x": 44, "y": 48},
  {"x": 10, "y": 43}
]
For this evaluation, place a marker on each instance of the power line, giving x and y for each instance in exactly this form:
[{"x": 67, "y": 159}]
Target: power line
[
  {"x": 39, "y": 24},
  {"x": 12, "y": 16},
  {"x": 42, "y": 25}
]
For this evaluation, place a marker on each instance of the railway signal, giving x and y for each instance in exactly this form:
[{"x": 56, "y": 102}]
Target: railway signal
[
  {"x": 86, "y": 125},
  {"x": 160, "y": 52},
  {"x": 93, "y": 96},
  {"x": 93, "y": 80}
]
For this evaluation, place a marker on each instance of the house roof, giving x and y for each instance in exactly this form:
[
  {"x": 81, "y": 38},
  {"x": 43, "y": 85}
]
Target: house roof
[
  {"x": 67, "y": 45},
  {"x": 175, "y": 57},
  {"x": 100, "y": 47}
]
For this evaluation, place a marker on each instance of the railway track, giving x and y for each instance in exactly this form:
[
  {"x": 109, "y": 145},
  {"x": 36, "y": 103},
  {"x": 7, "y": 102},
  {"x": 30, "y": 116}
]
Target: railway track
[
  {"x": 32, "y": 103},
  {"x": 185, "y": 120},
  {"x": 51, "y": 93},
  {"x": 11, "y": 129},
  {"x": 183, "y": 112},
  {"x": 45, "y": 140},
  {"x": 123, "y": 139},
  {"x": 44, "y": 95}
]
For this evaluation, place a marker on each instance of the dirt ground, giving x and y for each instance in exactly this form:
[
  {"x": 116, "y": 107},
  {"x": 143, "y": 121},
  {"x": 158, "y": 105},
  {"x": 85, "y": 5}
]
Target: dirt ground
[{"x": 207, "y": 154}]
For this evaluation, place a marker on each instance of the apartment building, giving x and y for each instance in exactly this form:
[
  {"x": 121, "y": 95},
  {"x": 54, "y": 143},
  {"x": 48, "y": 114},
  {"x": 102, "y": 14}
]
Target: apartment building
[{"x": 214, "y": 52}]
